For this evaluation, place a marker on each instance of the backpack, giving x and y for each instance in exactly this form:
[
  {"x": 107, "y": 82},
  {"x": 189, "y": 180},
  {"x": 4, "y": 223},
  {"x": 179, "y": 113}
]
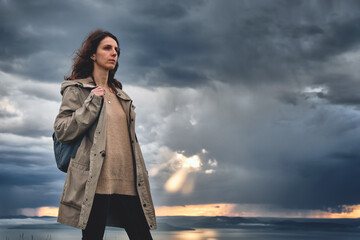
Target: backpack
[{"x": 64, "y": 152}]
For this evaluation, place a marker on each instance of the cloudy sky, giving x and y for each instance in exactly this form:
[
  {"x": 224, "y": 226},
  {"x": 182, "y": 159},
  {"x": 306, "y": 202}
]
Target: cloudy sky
[{"x": 244, "y": 108}]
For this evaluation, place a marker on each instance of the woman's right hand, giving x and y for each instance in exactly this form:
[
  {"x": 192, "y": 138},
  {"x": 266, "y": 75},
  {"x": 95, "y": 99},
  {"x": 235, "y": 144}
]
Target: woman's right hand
[{"x": 99, "y": 91}]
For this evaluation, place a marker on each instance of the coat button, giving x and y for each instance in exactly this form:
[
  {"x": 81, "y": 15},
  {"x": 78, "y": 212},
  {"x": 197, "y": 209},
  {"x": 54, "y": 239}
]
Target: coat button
[
  {"x": 132, "y": 119},
  {"x": 139, "y": 184},
  {"x": 132, "y": 141},
  {"x": 150, "y": 226},
  {"x": 103, "y": 154},
  {"x": 144, "y": 204}
]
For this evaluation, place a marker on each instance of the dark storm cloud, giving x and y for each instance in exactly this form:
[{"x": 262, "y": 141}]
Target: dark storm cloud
[
  {"x": 170, "y": 10},
  {"x": 338, "y": 88},
  {"x": 239, "y": 41},
  {"x": 30, "y": 27},
  {"x": 27, "y": 191},
  {"x": 340, "y": 37},
  {"x": 23, "y": 158},
  {"x": 25, "y": 179},
  {"x": 301, "y": 156},
  {"x": 214, "y": 42},
  {"x": 28, "y": 179},
  {"x": 40, "y": 35},
  {"x": 242, "y": 42}
]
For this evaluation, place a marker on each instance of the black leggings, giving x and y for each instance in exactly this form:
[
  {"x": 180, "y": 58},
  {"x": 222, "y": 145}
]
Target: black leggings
[{"x": 128, "y": 212}]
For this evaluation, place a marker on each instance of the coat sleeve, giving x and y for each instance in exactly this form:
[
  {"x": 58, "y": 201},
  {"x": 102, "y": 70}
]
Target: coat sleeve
[{"x": 75, "y": 117}]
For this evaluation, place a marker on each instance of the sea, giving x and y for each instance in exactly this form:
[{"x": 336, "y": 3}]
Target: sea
[
  {"x": 198, "y": 234},
  {"x": 226, "y": 229}
]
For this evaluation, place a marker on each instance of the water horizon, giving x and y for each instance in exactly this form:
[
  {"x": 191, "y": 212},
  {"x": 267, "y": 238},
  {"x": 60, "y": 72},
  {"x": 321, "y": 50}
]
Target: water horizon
[{"x": 194, "y": 228}]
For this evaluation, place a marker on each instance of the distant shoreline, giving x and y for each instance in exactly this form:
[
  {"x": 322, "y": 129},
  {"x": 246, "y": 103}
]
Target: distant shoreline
[{"x": 188, "y": 223}]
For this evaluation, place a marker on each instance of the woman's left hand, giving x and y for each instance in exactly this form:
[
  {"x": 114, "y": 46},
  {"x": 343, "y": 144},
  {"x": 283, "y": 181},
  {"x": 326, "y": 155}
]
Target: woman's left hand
[{"x": 99, "y": 91}]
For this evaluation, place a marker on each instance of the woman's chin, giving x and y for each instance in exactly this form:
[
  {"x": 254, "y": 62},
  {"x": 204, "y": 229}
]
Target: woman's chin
[{"x": 109, "y": 68}]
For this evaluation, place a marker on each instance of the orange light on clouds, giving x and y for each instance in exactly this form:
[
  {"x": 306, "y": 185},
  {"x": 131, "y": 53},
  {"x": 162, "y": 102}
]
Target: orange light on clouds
[
  {"x": 48, "y": 211},
  {"x": 181, "y": 180},
  {"x": 237, "y": 210},
  {"x": 176, "y": 181},
  {"x": 350, "y": 212},
  {"x": 222, "y": 209},
  {"x": 191, "y": 162}
]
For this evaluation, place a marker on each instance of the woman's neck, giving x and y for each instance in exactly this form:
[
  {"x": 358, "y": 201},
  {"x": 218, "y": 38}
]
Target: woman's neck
[{"x": 101, "y": 77}]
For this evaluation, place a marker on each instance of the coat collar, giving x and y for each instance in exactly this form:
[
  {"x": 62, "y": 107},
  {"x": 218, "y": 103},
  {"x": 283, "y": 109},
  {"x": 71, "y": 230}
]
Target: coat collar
[
  {"x": 84, "y": 82},
  {"x": 121, "y": 94},
  {"x": 89, "y": 83}
]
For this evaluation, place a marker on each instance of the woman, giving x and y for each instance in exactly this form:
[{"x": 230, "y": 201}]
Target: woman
[{"x": 107, "y": 182}]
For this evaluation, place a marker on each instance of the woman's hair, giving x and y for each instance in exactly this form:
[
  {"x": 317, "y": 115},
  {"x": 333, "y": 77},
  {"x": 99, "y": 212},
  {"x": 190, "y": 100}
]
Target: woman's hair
[{"x": 83, "y": 65}]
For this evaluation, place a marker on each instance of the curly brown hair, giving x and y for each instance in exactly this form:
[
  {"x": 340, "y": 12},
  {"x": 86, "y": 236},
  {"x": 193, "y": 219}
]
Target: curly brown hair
[{"x": 83, "y": 65}]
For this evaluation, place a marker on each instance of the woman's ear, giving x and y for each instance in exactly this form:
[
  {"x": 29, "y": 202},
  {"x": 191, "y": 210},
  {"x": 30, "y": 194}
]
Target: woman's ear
[{"x": 93, "y": 57}]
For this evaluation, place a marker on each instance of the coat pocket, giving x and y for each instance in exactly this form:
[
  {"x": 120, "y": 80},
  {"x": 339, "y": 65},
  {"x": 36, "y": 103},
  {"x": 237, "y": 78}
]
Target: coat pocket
[{"x": 75, "y": 187}]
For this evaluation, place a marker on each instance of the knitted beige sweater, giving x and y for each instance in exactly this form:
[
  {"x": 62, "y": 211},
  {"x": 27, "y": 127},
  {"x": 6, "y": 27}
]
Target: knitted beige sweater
[{"x": 117, "y": 173}]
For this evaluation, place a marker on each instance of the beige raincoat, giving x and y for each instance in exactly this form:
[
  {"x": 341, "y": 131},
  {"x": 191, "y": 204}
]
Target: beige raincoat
[{"x": 83, "y": 114}]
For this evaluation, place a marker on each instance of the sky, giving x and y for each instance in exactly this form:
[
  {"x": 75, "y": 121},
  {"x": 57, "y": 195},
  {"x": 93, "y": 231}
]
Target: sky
[{"x": 244, "y": 108}]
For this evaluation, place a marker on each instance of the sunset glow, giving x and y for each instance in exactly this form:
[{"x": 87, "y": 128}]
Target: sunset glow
[
  {"x": 198, "y": 210},
  {"x": 181, "y": 180},
  {"x": 39, "y": 212},
  {"x": 191, "y": 162},
  {"x": 48, "y": 211},
  {"x": 221, "y": 209},
  {"x": 176, "y": 181},
  {"x": 350, "y": 212},
  {"x": 237, "y": 210}
]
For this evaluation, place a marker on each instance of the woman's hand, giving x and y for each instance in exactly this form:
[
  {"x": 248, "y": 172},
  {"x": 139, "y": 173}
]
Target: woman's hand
[{"x": 99, "y": 91}]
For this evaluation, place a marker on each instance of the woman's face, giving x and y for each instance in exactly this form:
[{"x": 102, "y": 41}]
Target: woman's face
[{"x": 106, "y": 54}]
